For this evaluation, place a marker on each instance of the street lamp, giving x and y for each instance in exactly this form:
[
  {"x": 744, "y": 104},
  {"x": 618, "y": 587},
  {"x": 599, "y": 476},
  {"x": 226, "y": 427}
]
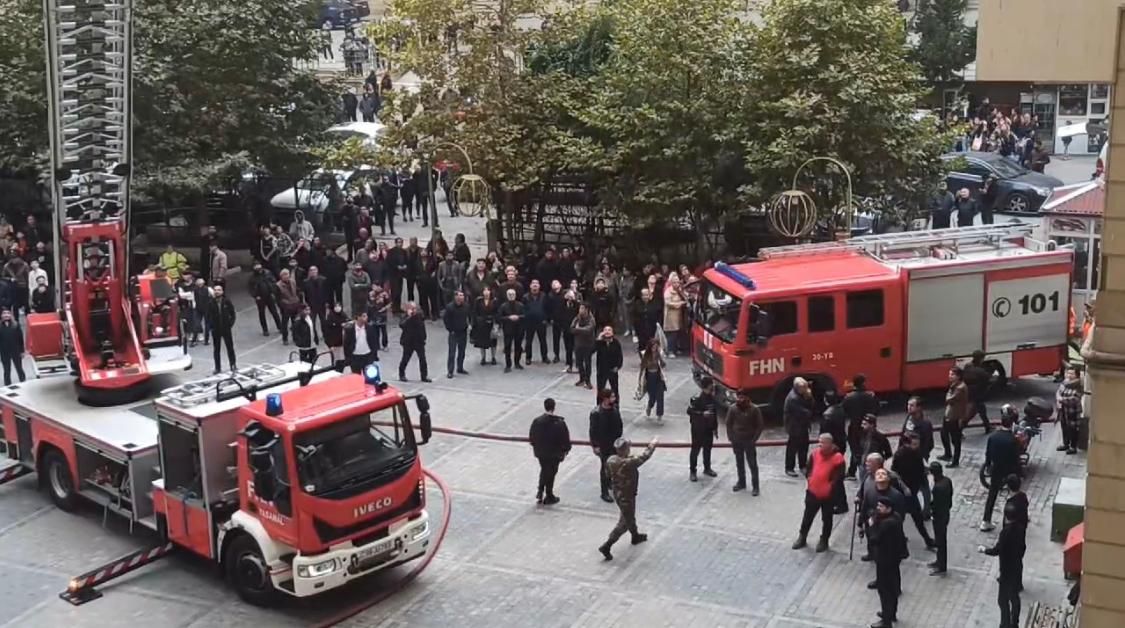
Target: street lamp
[{"x": 849, "y": 208}]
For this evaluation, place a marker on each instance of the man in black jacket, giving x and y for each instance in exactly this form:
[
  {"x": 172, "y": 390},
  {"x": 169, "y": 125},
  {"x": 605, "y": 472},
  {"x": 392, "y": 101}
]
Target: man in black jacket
[
  {"x": 361, "y": 344},
  {"x": 941, "y": 505},
  {"x": 11, "y": 347},
  {"x": 605, "y": 428},
  {"x": 220, "y": 320},
  {"x": 303, "y": 334},
  {"x": 608, "y": 359},
  {"x": 413, "y": 342},
  {"x": 1001, "y": 459},
  {"x": 562, "y": 307},
  {"x": 872, "y": 441},
  {"x": 917, "y": 422},
  {"x": 704, "y": 420},
  {"x": 318, "y": 296},
  {"x": 535, "y": 320},
  {"x": 263, "y": 287},
  {"x": 884, "y": 529},
  {"x": 550, "y": 440},
  {"x": 398, "y": 269},
  {"x": 334, "y": 270},
  {"x": 511, "y": 323},
  {"x": 647, "y": 317},
  {"x": 857, "y": 404},
  {"x": 1009, "y": 548},
  {"x": 797, "y": 413},
  {"x": 908, "y": 464},
  {"x": 456, "y": 318}
]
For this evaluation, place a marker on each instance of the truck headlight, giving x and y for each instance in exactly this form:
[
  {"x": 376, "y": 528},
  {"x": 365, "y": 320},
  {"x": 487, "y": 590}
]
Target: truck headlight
[
  {"x": 420, "y": 531},
  {"x": 316, "y": 570}
]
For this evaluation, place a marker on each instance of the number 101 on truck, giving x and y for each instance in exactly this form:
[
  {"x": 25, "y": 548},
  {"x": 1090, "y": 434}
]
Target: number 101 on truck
[{"x": 900, "y": 308}]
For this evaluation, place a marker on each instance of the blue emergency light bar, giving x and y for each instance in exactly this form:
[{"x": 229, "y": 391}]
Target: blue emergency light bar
[
  {"x": 740, "y": 278},
  {"x": 273, "y": 405},
  {"x": 371, "y": 375}
]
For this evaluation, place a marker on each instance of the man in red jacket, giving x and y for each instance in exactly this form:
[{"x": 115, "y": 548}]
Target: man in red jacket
[{"x": 825, "y": 468}]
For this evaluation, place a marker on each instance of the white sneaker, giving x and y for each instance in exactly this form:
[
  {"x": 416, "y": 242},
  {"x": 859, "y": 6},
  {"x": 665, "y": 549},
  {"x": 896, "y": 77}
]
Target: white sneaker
[
  {"x": 986, "y": 526},
  {"x": 634, "y": 340}
]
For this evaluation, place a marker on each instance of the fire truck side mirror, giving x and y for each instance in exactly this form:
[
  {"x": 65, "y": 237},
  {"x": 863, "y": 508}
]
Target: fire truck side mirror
[{"x": 425, "y": 425}]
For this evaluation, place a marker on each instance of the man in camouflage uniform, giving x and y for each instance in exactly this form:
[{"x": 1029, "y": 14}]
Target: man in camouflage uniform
[{"x": 623, "y": 472}]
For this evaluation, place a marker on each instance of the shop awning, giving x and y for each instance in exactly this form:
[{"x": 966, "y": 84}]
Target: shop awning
[{"x": 1083, "y": 199}]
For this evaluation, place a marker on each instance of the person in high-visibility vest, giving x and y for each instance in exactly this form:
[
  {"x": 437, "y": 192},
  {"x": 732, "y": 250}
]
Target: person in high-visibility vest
[{"x": 173, "y": 262}]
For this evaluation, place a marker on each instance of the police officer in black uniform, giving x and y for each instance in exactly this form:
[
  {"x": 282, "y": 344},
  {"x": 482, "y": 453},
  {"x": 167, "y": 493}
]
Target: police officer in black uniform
[{"x": 703, "y": 414}]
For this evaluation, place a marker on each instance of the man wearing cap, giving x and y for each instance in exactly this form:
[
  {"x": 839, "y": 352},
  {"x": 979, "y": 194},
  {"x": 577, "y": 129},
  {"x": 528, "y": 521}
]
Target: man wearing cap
[
  {"x": 884, "y": 530},
  {"x": 624, "y": 473}
]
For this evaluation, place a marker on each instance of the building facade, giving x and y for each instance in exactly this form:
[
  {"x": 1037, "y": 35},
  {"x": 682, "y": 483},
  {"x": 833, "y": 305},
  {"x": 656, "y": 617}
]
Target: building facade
[
  {"x": 1103, "y": 558},
  {"x": 1053, "y": 59}
]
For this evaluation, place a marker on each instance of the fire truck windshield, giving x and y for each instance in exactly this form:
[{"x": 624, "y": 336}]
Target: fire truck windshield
[
  {"x": 718, "y": 312},
  {"x": 351, "y": 455}
]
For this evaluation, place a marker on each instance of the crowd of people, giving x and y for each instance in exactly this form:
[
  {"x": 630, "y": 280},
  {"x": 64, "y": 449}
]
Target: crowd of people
[
  {"x": 26, "y": 276},
  {"x": 907, "y": 480}
]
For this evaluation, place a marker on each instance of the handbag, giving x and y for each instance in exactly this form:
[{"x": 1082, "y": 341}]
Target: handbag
[{"x": 640, "y": 392}]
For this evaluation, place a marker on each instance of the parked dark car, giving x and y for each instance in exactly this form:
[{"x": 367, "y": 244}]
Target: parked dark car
[
  {"x": 1018, "y": 190},
  {"x": 338, "y": 13}
]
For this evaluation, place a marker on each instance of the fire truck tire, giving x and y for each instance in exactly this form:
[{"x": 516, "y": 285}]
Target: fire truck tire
[
  {"x": 57, "y": 479},
  {"x": 247, "y": 571},
  {"x": 999, "y": 376}
]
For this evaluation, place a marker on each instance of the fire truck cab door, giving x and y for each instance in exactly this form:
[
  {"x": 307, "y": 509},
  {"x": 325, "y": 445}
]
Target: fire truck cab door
[
  {"x": 187, "y": 517},
  {"x": 869, "y": 336}
]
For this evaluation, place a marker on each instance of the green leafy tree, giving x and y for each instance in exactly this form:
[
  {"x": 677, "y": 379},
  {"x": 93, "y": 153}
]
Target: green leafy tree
[
  {"x": 215, "y": 85},
  {"x": 831, "y": 78},
  {"x": 945, "y": 45},
  {"x": 23, "y": 73}
]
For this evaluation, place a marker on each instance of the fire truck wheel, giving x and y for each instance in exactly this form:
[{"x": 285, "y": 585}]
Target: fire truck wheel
[
  {"x": 57, "y": 479},
  {"x": 998, "y": 380},
  {"x": 247, "y": 571}
]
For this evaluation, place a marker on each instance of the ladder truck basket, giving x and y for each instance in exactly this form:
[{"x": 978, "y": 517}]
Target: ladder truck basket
[{"x": 81, "y": 588}]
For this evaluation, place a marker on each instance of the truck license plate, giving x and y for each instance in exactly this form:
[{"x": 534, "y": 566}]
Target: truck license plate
[{"x": 373, "y": 554}]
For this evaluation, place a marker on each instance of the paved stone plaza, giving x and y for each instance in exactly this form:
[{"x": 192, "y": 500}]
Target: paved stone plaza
[{"x": 714, "y": 558}]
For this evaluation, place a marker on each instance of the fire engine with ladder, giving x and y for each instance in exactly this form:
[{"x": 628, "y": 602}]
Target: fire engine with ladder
[
  {"x": 901, "y": 308},
  {"x": 112, "y": 331},
  {"x": 316, "y": 485},
  {"x": 307, "y": 489}
]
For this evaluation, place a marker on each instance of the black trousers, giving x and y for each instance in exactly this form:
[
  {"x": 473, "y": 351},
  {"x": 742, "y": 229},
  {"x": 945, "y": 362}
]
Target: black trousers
[
  {"x": 360, "y": 360},
  {"x": 10, "y": 360},
  {"x": 603, "y": 455},
  {"x": 456, "y": 353},
  {"x": 582, "y": 357},
  {"x": 396, "y": 293},
  {"x": 287, "y": 318},
  {"x": 941, "y": 539},
  {"x": 225, "y": 337},
  {"x": 558, "y": 333},
  {"x": 1008, "y": 598},
  {"x": 428, "y": 300},
  {"x": 410, "y": 288},
  {"x": 548, "y": 469},
  {"x": 888, "y": 579},
  {"x": 407, "y": 203},
  {"x": 513, "y": 343},
  {"x": 996, "y": 482},
  {"x": 746, "y": 454},
  {"x": 701, "y": 440},
  {"x": 407, "y": 353},
  {"x": 951, "y": 435},
  {"x": 813, "y": 506},
  {"x": 268, "y": 304},
  {"x": 914, "y": 507},
  {"x": 421, "y": 202},
  {"x": 796, "y": 452},
  {"x": 1069, "y": 429},
  {"x": 611, "y": 378},
  {"x": 531, "y": 330},
  {"x": 977, "y": 408},
  {"x": 318, "y": 315}
]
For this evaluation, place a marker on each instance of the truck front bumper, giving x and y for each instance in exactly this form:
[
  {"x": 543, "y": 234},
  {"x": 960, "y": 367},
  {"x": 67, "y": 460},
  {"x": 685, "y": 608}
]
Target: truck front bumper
[{"x": 345, "y": 562}]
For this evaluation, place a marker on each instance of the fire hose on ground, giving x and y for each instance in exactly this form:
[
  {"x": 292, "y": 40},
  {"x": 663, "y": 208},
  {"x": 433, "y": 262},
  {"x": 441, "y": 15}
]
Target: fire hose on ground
[{"x": 443, "y": 526}]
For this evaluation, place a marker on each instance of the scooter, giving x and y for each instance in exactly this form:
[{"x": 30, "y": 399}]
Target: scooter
[{"x": 1027, "y": 427}]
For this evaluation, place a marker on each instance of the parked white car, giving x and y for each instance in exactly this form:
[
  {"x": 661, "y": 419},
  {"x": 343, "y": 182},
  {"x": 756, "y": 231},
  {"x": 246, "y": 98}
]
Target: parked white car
[{"x": 311, "y": 193}]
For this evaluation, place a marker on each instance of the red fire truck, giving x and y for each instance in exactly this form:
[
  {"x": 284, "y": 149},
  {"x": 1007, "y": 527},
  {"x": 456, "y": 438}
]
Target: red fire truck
[
  {"x": 316, "y": 485},
  {"x": 899, "y": 308}
]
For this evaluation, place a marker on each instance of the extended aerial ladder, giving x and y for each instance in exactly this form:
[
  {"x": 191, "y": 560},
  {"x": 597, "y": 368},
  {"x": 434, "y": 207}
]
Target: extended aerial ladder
[
  {"x": 932, "y": 242},
  {"x": 89, "y": 59}
]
